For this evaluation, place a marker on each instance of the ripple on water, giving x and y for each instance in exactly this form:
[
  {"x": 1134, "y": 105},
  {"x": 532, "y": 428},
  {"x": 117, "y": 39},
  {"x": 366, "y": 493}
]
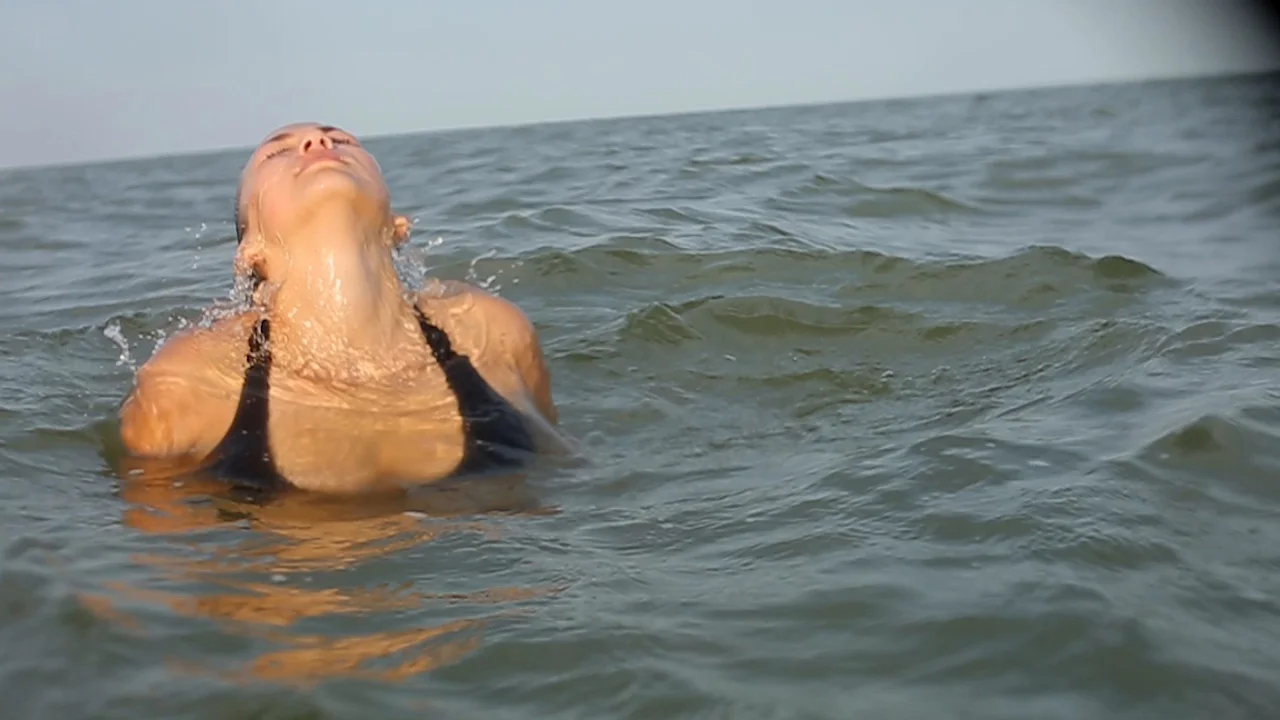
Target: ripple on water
[
  {"x": 859, "y": 200},
  {"x": 289, "y": 605},
  {"x": 1241, "y": 450}
]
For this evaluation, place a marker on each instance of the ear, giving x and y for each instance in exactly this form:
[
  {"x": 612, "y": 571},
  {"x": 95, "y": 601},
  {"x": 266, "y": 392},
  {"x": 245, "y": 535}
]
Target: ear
[
  {"x": 400, "y": 228},
  {"x": 251, "y": 256}
]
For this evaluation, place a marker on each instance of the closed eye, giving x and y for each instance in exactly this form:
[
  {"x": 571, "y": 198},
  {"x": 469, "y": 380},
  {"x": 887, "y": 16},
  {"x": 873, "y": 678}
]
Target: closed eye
[{"x": 336, "y": 140}]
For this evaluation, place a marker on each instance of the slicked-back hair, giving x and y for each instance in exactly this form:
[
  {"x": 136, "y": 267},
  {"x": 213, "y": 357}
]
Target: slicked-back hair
[{"x": 240, "y": 228}]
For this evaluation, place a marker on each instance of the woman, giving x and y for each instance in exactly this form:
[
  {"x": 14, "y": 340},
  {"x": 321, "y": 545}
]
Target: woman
[{"x": 338, "y": 380}]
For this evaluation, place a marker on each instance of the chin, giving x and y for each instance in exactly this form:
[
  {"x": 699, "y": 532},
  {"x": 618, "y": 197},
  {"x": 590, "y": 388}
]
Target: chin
[
  {"x": 332, "y": 187},
  {"x": 328, "y": 180}
]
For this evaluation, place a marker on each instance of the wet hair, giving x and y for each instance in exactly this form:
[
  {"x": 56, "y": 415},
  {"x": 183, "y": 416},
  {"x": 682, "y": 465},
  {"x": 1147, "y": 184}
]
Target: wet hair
[
  {"x": 240, "y": 227},
  {"x": 255, "y": 279}
]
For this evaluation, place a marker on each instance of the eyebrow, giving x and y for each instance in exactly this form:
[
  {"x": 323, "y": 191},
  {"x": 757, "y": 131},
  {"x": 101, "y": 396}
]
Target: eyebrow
[{"x": 286, "y": 134}]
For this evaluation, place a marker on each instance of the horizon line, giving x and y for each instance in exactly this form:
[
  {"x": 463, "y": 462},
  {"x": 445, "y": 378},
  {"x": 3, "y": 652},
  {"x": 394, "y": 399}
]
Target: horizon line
[{"x": 933, "y": 95}]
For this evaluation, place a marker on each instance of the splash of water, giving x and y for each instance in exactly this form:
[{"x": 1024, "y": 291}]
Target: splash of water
[
  {"x": 473, "y": 275},
  {"x": 240, "y": 299},
  {"x": 491, "y": 281},
  {"x": 113, "y": 333},
  {"x": 197, "y": 234},
  {"x": 411, "y": 262}
]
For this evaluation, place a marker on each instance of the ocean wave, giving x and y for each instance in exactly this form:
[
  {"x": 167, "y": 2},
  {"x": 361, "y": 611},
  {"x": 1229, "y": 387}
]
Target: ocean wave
[{"x": 1238, "y": 447}]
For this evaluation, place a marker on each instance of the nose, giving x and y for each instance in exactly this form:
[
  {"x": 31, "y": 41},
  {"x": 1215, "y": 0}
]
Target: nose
[{"x": 312, "y": 140}]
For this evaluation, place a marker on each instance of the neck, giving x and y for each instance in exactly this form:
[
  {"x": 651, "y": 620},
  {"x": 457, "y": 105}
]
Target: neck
[{"x": 338, "y": 312}]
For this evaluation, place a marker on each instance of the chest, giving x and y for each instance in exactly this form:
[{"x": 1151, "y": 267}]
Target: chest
[
  {"x": 336, "y": 429},
  {"x": 349, "y": 438}
]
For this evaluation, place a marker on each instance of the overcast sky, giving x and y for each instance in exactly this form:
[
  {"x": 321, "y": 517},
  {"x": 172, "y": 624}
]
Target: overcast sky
[{"x": 87, "y": 80}]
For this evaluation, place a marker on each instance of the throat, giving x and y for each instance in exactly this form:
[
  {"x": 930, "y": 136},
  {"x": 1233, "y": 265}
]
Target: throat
[{"x": 343, "y": 318}]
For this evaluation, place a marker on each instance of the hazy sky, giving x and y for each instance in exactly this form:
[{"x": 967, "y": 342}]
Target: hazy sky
[{"x": 86, "y": 79}]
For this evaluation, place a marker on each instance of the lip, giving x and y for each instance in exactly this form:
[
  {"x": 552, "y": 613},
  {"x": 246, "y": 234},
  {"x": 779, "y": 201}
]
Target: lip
[{"x": 319, "y": 158}]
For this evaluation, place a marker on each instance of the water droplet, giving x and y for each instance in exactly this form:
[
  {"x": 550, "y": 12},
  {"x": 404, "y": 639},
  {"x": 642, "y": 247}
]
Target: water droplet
[{"x": 113, "y": 333}]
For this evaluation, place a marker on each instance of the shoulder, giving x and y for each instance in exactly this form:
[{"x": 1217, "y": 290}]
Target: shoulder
[
  {"x": 190, "y": 381},
  {"x": 223, "y": 338},
  {"x": 498, "y": 336},
  {"x": 471, "y": 311}
]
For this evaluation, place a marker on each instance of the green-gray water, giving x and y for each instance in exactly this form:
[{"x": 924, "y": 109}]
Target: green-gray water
[{"x": 963, "y": 407}]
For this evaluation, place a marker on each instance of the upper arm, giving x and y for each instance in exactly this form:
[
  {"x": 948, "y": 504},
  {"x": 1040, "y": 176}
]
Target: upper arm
[{"x": 184, "y": 396}]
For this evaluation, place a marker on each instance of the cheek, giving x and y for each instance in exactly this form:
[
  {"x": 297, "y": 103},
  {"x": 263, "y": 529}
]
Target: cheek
[
  {"x": 378, "y": 185},
  {"x": 271, "y": 203}
]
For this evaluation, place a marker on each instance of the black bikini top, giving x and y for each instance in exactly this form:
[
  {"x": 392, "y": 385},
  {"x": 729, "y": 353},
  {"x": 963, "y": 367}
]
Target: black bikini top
[{"x": 495, "y": 435}]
